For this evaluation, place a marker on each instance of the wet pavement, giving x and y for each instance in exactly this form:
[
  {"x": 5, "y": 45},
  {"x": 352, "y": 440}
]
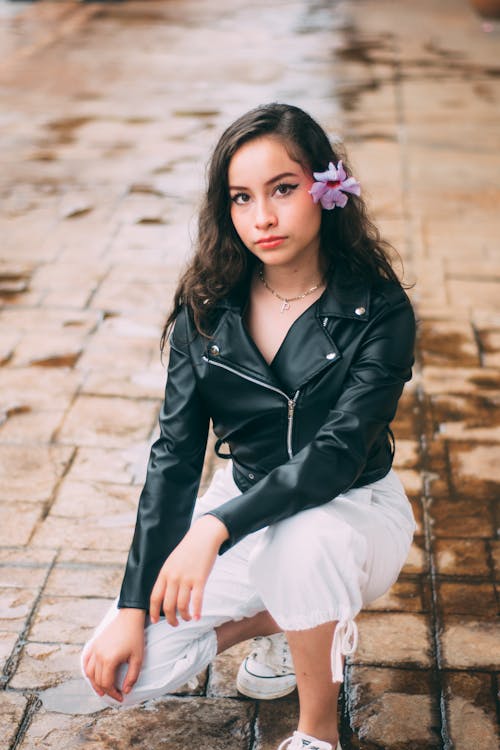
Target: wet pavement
[{"x": 107, "y": 114}]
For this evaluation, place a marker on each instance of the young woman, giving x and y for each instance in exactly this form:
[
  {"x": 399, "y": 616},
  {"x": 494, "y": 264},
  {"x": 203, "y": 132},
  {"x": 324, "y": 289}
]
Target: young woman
[{"x": 291, "y": 332}]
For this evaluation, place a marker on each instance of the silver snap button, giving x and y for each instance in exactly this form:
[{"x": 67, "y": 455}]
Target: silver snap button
[
  {"x": 360, "y": 311},
  {"x": 251, "y": 476},
  {"x": 214, "y": 349},
  {"x": 331, "y": 355}
]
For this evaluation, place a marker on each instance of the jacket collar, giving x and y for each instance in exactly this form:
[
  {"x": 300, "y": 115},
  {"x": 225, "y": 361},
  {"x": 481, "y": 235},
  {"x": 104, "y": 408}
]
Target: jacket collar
[{"x": 341, "y": 299}]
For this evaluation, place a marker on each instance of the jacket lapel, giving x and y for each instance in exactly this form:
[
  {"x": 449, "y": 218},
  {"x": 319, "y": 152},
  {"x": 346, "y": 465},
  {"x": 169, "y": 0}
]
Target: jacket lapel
[
  {"x": 307, "y": 349},
  {"x": 233, "y": 347}
]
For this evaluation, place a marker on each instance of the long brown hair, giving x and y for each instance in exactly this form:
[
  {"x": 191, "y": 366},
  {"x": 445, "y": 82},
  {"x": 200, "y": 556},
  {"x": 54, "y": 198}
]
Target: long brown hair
[{"x": 349, "y": 241}]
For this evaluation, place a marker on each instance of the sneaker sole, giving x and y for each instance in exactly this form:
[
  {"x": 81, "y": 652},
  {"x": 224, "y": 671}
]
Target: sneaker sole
[{"x": 244, "y": 689}]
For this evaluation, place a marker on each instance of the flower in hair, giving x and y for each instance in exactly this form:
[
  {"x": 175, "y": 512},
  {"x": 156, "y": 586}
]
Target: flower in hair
[{"x": 330, "y": 186}]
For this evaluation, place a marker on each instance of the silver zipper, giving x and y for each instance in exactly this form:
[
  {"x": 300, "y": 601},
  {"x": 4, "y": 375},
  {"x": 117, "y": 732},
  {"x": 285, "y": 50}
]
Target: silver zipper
[
  {"x": 291, "y": 409},
  {"x": 291, "y": 402}
]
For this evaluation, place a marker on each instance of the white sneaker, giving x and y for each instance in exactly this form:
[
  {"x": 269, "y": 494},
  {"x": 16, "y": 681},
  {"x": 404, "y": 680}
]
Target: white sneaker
[
  {"x": 267, "y": 672},
  {"x": 301, "y": 741}
]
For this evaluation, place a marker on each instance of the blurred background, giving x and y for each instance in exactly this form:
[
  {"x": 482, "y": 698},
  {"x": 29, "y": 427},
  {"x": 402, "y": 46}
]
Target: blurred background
[{"x": 108, "y": 113}]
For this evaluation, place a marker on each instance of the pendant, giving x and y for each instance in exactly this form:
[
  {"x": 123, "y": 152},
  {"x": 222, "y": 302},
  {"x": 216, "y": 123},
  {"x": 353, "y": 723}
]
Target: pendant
[{"x": 285, "y": 305}]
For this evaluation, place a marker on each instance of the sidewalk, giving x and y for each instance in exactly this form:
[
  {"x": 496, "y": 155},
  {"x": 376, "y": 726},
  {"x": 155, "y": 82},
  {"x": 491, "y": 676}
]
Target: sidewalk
[{"x": 108, "y": 113}]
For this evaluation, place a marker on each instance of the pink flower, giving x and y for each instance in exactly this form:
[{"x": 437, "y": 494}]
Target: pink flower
[{"x": 332, "y": 185}]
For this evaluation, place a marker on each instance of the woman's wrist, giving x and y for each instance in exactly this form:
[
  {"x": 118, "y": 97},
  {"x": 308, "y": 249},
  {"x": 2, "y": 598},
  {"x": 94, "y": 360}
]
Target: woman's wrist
[
  {"x": 213, "y": 526},
  {"x": 133, "y": 614}
]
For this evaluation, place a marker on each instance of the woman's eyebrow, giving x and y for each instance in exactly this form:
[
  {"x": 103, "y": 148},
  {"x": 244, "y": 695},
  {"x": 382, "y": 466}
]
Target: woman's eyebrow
[{"x": 269, "y": 182}]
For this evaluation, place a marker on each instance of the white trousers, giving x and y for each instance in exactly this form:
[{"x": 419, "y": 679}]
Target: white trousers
[{"x": 320, "y": 565}]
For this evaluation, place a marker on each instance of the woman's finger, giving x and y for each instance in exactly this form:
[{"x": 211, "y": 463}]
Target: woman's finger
[
  {"x": 183, "y": 598},
  {"x": 89, "y": 668},
  {"x": 98, "y": 677},
  {"x": 170, "y": 603},
  {"x": 134, "y": 667},
  {"x": 108, "y": 676},
  {"x": 85, "y": 658},
  {"x": 156, "y": 599},
  {"x": 197, "y": 600},
  {"x": 115, "y": 693},
  {"x": 108, "y": 682}
]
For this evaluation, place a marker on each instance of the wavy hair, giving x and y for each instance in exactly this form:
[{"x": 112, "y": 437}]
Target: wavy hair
[{"x": 349, "y": 241}]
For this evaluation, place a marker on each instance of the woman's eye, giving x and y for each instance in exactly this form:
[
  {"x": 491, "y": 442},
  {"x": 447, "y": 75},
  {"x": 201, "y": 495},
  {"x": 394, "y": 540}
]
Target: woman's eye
[
  {"x": 285, "y": 188},
  {"x": 240, "y": 198}
]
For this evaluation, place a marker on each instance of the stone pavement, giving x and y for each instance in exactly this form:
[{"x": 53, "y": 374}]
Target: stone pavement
[{"x": 108, "y": 113}]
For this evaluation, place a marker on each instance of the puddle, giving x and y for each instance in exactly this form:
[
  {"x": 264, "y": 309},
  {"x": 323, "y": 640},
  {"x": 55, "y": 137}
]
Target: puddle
[
  {"x": 486, "y": 381},
  {"x": 144, "y": 188},
  {"x": 374, "y": 137},
  {"x": 349, "y": 95},
  {"x": 76, "y": 212},
  {"x": 151, "y": 220},
  {"x": 196, "y": 112},
  {"x": 138, "y": 120},
  {"x": 473, "y": 411},
  {"x": 440, "y": 347},
  {"x": 72, "y": 697},
  {"x": 164, "y": 168},
  {"x": 43, "y": 155},
  {"x": 11, "y": 411},
  {"x": 13, "y": 286},
  {"x": 73, "y": 323},
  {"x": 64, "y": 129},
  {"x": 14, "y": 281},
  {"x": 57, "y": 360},
  {"x": 435, "y": 63},
  {"x": 448, "y": 54},
  {"x": 131, "y": 14},
  {"x": 365, "y": 49}
]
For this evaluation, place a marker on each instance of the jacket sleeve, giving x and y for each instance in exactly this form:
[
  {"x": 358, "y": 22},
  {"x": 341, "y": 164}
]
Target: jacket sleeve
[
  {"x": 333, "y": 460},
  {"x": 173, "y": 475}
]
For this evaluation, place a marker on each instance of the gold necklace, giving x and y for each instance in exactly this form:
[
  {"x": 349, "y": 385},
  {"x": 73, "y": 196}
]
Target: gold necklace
[{"x": 286, "y": 300}]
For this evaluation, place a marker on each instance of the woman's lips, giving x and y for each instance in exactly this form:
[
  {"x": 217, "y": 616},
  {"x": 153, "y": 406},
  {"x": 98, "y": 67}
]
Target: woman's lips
[{"x": 271, "y": 241}]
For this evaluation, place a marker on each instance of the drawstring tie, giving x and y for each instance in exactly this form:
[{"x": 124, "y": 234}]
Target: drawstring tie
[{"x": 345, "y": 641}]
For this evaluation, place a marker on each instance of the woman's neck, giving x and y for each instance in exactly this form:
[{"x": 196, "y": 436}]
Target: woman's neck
[{"x": 290, "y": 282}]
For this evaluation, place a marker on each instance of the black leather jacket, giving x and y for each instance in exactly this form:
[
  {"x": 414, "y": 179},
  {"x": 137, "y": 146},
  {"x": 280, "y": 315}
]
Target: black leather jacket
[{"x": 300, "y": 431}]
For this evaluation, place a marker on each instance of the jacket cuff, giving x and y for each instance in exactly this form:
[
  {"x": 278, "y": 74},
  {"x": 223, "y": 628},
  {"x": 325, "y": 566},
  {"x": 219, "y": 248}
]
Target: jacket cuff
[{"x": 124, "y": 604}]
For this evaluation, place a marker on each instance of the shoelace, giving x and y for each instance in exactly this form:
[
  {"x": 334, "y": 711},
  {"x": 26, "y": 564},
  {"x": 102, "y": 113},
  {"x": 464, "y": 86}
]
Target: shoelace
[
  {"x": 277, "y": 656},
  {"x": 345, "y": 641}
]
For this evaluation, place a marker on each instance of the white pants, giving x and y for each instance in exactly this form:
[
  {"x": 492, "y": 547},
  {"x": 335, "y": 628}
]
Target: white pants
[{"x": 320, "y": 565}]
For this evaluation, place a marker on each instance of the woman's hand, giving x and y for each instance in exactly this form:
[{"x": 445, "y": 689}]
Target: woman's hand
[
  {"x": 122, "y": 640},
  {"x": 182, "y": 579}
]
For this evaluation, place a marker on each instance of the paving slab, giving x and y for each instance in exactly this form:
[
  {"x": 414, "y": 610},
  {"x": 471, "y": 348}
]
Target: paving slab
[
  {"x": 471, "y": 710},
  {"x": 84, "y": 579},
  {"x": 67, "y": 619},
  {"x": 393, "y": 638},
  {"x": 221, "y": 724},
  {"x": 378, "y": 698},
  {"x": 12, "y": 706},
  {"x": 470, "y": 642},
  {"x": 223, "y": 671}
]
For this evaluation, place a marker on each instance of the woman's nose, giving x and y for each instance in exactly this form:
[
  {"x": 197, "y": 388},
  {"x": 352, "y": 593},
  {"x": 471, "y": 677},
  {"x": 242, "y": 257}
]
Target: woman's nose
[{"x": 264, "y": 216}]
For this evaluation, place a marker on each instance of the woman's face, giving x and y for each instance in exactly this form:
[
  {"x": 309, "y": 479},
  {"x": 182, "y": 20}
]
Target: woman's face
[{"x": 271, "y": 208}]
